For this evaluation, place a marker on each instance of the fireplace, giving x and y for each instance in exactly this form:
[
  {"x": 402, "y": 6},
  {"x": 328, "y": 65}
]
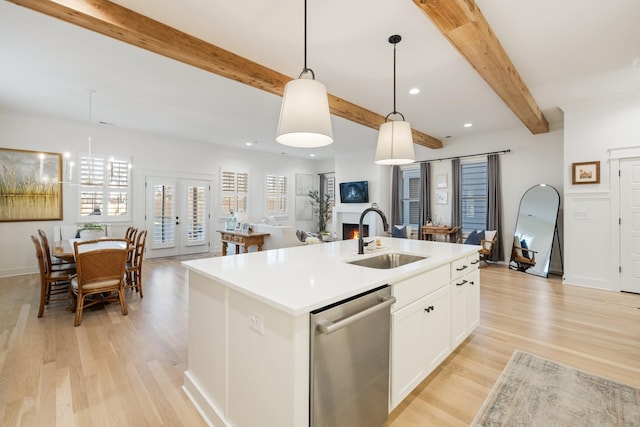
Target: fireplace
[{"x": 350, "y": 231}]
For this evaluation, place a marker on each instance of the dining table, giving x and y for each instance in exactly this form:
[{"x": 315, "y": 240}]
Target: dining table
[{"x": 63, "y": 249}]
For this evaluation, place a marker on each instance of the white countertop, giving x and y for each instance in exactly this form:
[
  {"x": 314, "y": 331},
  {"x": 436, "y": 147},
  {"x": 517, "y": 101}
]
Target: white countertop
[{"x": 301, "y": 279}]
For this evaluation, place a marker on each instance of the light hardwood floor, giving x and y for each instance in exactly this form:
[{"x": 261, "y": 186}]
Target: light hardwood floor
[{"x": 116, "y": 370}]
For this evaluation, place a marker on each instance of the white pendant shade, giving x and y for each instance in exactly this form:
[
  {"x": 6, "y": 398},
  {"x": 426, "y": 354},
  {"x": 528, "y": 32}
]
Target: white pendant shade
[
  {"x": 305, "y": 120},
  {"x": 395, "y": 144}
]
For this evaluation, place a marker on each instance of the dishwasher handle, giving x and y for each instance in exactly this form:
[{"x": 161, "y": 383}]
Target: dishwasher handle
[{"x": 327, "y": 326}]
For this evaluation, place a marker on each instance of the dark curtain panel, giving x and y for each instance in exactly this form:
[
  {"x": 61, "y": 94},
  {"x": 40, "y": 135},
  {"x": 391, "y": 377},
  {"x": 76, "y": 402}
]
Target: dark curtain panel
[
  {"x": 425, "y": 196},
  {"x": 323, "y": 179},
  {"x": 456, "y": 194},
  {"x": 396, "y": 179},
  {"x": 494, "y": 208}
]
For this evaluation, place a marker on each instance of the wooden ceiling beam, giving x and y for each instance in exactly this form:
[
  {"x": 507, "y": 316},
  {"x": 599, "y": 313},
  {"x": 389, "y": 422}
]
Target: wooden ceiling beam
[
  {"x": 464, "y": 25},
  {"x": 133, "y": 28}
]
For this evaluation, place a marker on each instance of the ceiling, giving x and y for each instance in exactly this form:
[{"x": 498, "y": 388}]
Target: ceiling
[{"x": 565, "y": 51}]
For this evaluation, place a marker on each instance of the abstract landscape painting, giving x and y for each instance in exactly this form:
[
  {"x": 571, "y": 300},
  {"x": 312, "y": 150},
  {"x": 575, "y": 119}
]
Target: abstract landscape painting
[{"x": 30, "y": 185}]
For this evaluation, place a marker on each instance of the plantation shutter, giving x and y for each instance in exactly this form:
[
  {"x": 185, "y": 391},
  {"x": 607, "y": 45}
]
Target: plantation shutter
[
  {"x": 234, "y": 188},
  {"x": 104, "y": 189},
  {"x": 276, "y": 194},
  {"x": 196, "y": 213}
]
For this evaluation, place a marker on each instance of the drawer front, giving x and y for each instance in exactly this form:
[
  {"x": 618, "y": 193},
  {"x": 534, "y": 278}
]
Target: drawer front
[
  {"x": 413, "y": 288},
  {"x": 460, "y": 267},
  {"x": 474, "y": 260}
]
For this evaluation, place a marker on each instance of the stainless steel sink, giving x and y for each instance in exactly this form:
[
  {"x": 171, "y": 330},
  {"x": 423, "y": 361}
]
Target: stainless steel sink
[{"x": 387, "y": 260}]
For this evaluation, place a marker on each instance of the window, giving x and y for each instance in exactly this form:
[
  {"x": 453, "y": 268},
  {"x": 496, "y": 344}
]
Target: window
[
  {"x": 276, "y": 195},
  {"x": 410, "y": 197},
  {"x": 474, "y": 195},
  {"x": 105, "y": 188},
  {"x": 234, "y": 192}
]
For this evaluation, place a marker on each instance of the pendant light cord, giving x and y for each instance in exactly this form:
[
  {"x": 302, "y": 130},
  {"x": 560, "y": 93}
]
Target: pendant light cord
[
  {"x": 305, "y": 69},
  {"x": 394, "y": 79},
  {"x": 395, "y": 39},
  {"x": 305, "y": 35}
]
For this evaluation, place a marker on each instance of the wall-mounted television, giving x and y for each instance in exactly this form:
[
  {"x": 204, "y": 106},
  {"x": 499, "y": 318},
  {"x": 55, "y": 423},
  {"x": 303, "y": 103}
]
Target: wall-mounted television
[{"x": 354, "y": 192}]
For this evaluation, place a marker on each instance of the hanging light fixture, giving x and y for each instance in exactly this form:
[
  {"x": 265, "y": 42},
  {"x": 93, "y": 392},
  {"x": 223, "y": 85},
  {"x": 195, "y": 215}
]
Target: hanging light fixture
[
  {"x": 395, "y": 143},
  {"x": 90, "y": 155},
  {"x": 305, "y": 120},
  {"x": 69, "y": 164}
]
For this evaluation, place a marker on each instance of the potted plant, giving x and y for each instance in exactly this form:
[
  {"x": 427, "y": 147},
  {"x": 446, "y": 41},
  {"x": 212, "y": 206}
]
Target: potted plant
[
  {"x": 322, "y": 207},
  {"x": 90, "y": 230}
]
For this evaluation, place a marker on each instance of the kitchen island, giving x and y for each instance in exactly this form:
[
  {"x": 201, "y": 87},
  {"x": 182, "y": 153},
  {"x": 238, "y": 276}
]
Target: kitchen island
[{"x": 248, "y": 343}]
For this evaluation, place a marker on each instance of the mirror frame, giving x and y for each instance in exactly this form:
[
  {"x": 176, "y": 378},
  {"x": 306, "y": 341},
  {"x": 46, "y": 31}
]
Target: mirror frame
[{"x": 543, "y": 264}]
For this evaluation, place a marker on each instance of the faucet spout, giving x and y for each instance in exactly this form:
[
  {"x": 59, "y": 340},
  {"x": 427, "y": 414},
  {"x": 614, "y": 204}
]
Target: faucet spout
[{"x": 385, "y": 224}]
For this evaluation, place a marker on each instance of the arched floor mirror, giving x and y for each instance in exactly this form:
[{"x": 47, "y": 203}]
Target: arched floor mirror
[{"x": 536, "y": 231}]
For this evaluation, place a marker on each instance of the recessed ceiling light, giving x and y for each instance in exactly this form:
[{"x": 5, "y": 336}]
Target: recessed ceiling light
[
  {"x": 312, "y": 155},
  {"x": 250, "y": 143},
  {"x": 468, "y": 125},
  {"x": 414, "y": 91}
]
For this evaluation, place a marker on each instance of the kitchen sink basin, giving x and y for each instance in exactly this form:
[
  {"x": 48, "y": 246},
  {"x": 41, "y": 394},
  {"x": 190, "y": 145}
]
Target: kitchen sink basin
[{"x": 387, "y": 261}]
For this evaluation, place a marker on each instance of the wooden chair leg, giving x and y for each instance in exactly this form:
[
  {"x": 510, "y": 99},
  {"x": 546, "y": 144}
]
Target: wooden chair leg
[
  {"x": 139, "y": 282},
  {"x": 123, "y": 303},
  {"x": 79, "y": 308},
  {"x": 43, "y": 297}
]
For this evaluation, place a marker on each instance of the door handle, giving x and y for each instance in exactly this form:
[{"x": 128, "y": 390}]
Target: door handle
[{"x": 327, "y": 326}]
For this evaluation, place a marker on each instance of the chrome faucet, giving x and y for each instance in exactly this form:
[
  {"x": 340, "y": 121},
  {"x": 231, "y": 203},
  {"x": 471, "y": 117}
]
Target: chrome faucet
[{"x": 385, "y": 224}]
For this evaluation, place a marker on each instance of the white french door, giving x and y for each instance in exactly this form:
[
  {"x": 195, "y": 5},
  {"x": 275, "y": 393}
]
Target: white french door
[
  {"x": 630, "y": 225},
  {"x": 177, "y": 216}
]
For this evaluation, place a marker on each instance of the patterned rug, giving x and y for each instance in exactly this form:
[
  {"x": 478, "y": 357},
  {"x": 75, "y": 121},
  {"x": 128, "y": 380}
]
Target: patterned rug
[{"x": 532, "y": 391}]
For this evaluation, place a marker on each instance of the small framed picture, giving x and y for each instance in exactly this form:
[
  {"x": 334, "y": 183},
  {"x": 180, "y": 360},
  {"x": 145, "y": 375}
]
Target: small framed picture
[
  {"x": 244, "y": 228},
  {"x": 441, "y": 197},
  {"x": 441, "y": 181},
  {"x": 585, "y": 173}
]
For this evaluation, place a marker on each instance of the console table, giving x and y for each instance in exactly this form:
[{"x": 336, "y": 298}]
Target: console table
[
  {"x": 431, "y": 231},
  {"x": 241, "y": 239}
]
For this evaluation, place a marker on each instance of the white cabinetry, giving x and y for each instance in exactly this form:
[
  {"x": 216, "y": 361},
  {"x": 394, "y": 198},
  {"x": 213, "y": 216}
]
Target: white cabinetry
[
  {"x": 465, "y": 298},
  {"x": 420, "y": 330},
  {"x": 433, "y": 314}
]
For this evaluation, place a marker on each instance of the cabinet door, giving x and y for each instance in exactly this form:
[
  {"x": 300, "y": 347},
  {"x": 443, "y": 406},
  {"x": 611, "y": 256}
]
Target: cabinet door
[
  {"x": 473, "y": 300},
  {"x": 465, "y": 306},
  {"x": 459, "y": 310},
  {"x": 407, "y": 357},
  {"x": 437, "y": 328},
  {"x": 421, "y": 340}
]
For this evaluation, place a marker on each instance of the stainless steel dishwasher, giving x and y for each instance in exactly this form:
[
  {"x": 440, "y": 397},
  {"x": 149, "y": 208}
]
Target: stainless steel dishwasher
[{"x": 349, "y": 382}]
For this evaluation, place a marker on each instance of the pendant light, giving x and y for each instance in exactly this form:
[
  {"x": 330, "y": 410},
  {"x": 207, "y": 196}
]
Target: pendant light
[
  {"x": 90, "y": 132},
  {"x": 395, "y": 143},
  {"x": 305, "y": 120}
]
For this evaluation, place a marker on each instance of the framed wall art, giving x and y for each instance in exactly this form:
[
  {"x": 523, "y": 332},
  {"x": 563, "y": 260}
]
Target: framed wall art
[
  {"x": 304, "y": 184},
  {"x": 441, "y": 181},
  {"x": 585, "y": 173},
  {"x": 30, "y": 185},
  {"x": 442, "y": 197}
]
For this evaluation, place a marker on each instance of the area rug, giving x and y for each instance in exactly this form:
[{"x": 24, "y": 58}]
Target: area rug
[{"x": 533, "y": 391}]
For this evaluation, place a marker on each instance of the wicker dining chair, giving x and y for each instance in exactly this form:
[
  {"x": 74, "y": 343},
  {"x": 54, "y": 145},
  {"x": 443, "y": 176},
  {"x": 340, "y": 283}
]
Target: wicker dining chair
[
  {"x": 54, "y": 285},
  {"x": 134, "y": 267},
  {"x": 100, "y": 273},
  {"x": 54, "y": 265}
]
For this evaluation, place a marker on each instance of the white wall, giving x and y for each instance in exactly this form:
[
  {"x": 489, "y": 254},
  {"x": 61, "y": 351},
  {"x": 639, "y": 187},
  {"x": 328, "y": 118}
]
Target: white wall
[
  {"x": 591, "y": 243},
  {"x": 360, "y": 167},
  {"x": 149, "y": 154},
  {"x": 533, "y": 159}
]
